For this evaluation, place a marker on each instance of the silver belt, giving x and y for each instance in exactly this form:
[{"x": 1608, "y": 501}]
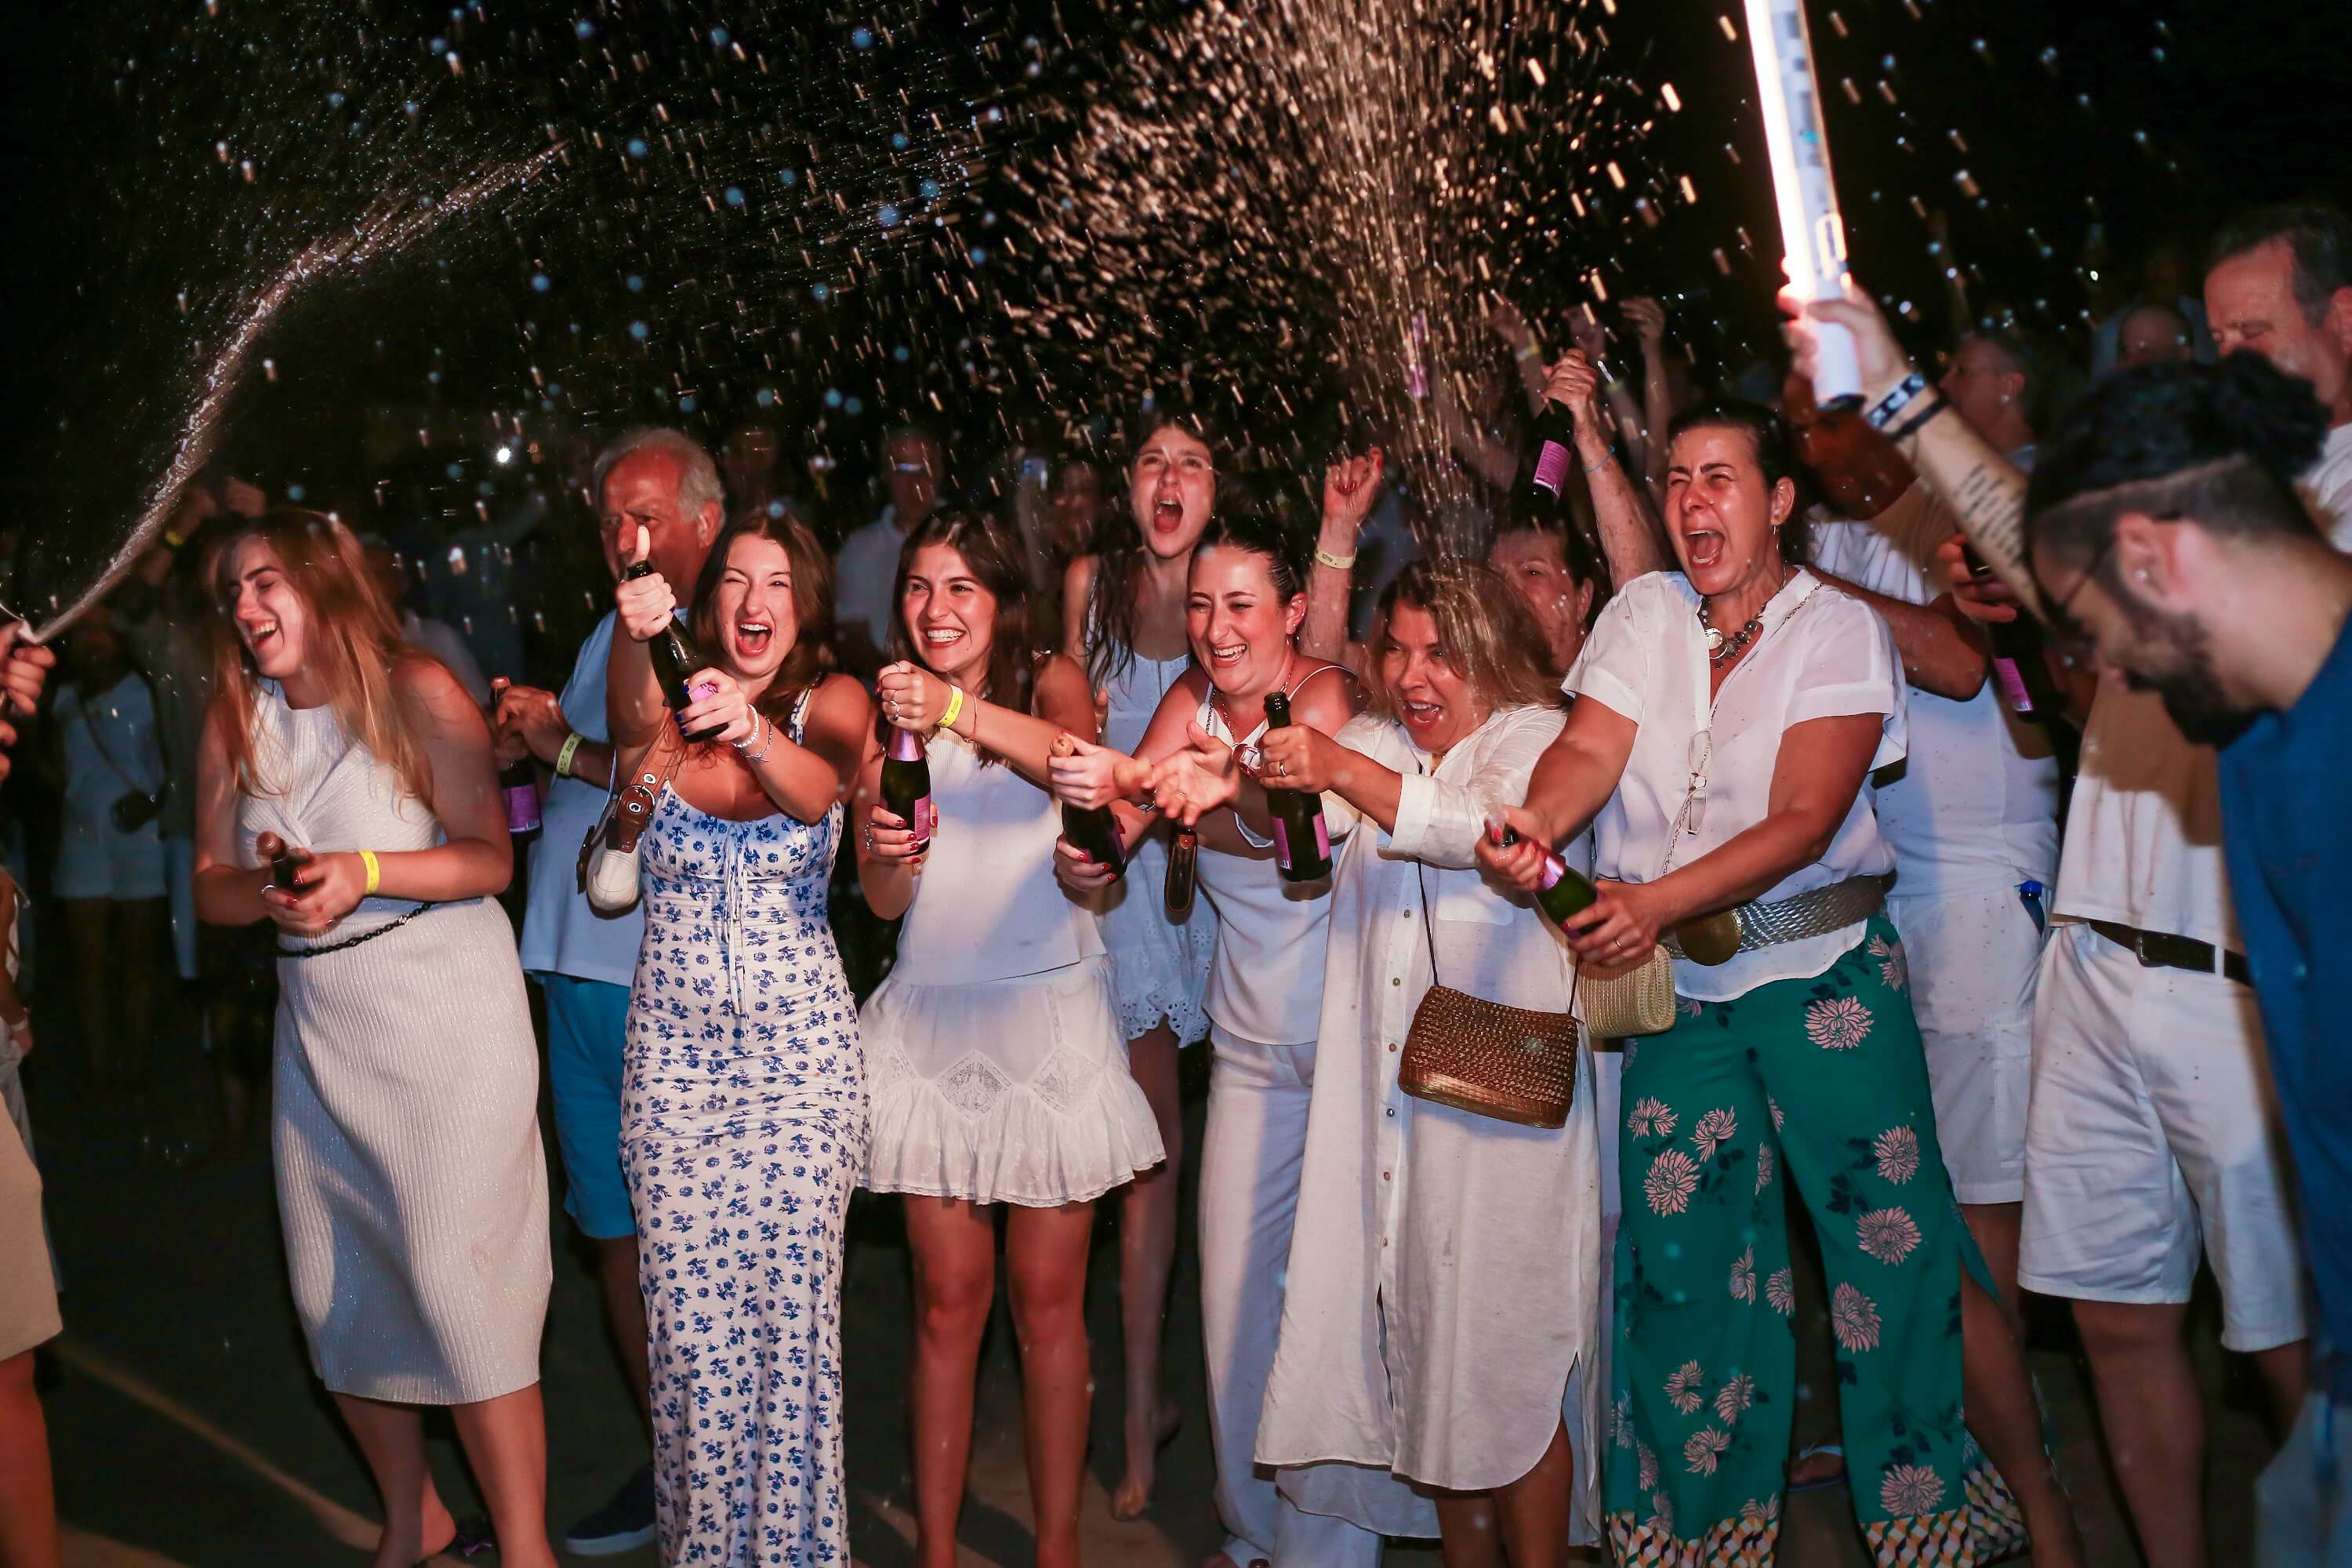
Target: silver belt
[{"x": 1816, "y": 913}]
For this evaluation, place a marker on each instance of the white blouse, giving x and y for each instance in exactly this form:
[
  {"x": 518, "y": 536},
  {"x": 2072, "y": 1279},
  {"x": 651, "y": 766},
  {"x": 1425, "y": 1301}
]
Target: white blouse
[
  {"x": 1821, "y": 654},
  {"x": 1444, "y": 1274}
]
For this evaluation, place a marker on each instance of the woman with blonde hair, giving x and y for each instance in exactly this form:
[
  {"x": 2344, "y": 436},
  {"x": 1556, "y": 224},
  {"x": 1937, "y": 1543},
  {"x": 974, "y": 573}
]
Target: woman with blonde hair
[
  {"x": 346, "y": 795},
  {"x": 1435, "y": 1371}
]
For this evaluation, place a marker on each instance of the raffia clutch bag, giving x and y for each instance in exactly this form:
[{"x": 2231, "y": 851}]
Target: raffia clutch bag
[{"x": 1512, "y": 1063}]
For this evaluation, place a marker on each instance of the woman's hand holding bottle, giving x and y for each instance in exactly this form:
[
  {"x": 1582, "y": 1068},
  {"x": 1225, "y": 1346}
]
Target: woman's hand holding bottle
[
  {"x": 912, "y": 698},
  {"x": 325, "y": 888},
  {"x": 890, "y": 841},
  {"x": 643, "y": 605},
  {"x": 1189, "y": 783},
  {"x": 720, "y": 712},
  {"x": 1513, "y": 848},
  {"x": 1300, "y": 757},
  {"x": 1093, "y": 775}
]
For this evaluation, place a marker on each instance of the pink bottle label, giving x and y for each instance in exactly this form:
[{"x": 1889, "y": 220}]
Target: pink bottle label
[
  {"x": 927, "y": 820},
  {"x": 523, "y": 809},
  {"x": 1282, "y": 842},
  {"x": 1551, "y": 467},
  {"x": 2013, "y": 685}
]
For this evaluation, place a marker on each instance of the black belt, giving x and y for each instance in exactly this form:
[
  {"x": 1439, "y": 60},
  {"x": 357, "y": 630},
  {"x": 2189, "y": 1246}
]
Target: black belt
[{"x": 2156, "y": 950}]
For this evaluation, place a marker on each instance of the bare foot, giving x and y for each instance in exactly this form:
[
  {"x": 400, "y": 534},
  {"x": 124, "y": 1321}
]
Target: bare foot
[{"x": 1134, "y": 1491}]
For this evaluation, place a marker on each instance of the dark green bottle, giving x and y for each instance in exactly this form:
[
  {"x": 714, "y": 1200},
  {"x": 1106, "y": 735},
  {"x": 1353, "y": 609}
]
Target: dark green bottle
[
  {"x": 1302, "y": 845},
  {"x": 675, "y": 659}
]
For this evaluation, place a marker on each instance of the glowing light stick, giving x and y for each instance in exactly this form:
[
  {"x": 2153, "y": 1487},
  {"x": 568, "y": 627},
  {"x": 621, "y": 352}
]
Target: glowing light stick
[{"x": 1810, "y": 231}]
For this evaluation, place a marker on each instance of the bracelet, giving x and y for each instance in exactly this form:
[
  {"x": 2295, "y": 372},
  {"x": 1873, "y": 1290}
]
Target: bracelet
[
  {"x": 1336, "y": 562},
  {"x": 1904, "y": 432},
  {"x": 1883, "y": 412},
  {"x": 374, "y": 872},
  {"x": 767, "y": 742},
  {"x": 1596, "y": 467},
  {"x": 1527, "y": 352},
  {"x": 570, "y": 750},
  {"x": 745, "y": 743},
  {"x": 954, "y": 706},
  {"x": 174, "y": 540}
]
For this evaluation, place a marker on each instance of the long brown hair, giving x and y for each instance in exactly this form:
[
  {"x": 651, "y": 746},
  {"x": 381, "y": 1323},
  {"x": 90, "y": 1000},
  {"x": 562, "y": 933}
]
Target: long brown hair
[
  {"x": 810, "y": 657},
  {"x": 1486, "y": 629},
  {"x": 997, "y": 559},
  {"x": 1112, "y": 596},
  {"x": 352, "y": 644}
]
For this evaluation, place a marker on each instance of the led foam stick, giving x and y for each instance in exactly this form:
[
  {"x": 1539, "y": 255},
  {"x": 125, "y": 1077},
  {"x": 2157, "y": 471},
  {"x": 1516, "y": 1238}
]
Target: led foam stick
[{"x": 1810, "y": 231}]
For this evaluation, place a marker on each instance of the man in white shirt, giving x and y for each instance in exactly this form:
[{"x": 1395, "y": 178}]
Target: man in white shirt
[
  {"x": 663, "y": 481},
  {"x": 438, "y": 638},
  {"x": 868, "y": 566},
  {"x": 2151, "y": 1138}
]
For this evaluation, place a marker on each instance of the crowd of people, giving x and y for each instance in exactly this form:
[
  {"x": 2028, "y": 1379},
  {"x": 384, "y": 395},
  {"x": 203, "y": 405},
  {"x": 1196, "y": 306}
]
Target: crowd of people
[{"x": 1923, "y": 810}]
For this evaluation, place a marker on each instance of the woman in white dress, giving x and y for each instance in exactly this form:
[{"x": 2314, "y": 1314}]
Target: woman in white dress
[
  {"x": 411, "y": 1183},
  {"x": 994, "y": 1049},
  {"x": 1125, "y": 606},
  {"x": 1246, "y": 601},
  {"x": 1442, "y": 1324}
]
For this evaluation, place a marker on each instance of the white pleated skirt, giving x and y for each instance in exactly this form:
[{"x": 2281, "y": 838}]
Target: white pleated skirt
[{"x": 1012, "y": 1091}]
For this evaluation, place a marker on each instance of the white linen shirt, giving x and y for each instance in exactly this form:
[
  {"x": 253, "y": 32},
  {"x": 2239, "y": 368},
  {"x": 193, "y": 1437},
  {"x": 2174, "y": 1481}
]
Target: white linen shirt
[
  {"x": 1444, "y": 1278},
  {"x": 1821, "y": 654},
  {"x": 865, "y": 572}
]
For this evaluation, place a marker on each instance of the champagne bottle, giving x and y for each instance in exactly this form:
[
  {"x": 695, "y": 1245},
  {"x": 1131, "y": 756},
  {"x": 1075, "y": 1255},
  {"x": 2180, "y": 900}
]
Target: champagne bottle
[
  {"x": 1560, "y": 892},
  {"x": 1552, "y": 453},
  {"x": 2018, "y": 669},
  {"x": 1092, "y": 833},
  {"x": 907, "y": 786},
  {"x": 1302, "y": 845},
  {"x": 518, "y": 785},
  {"x": 1176, "y": 896},
  {"x": 675, "y": 659}
]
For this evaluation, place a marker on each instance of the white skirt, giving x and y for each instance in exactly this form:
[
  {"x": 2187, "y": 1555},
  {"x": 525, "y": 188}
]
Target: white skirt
[
  {"x": 1160, "y": 970},
  {"x": 1011, "y": 1091}
]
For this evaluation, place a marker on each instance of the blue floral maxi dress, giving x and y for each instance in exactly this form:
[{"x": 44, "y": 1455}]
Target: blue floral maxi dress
[{"x": 743, "y": 1128}]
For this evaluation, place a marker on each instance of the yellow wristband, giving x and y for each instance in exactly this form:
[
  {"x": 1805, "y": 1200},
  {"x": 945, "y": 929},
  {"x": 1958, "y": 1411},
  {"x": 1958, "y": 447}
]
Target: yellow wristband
[
  {"x": 955, "y": 706},
  {"x": 1336, "y": 562},
  {"x": 375, "y": 872},
  {"x": 570, "y": 750}
]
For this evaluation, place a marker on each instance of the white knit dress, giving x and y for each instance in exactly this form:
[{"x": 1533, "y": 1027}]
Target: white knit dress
[{"x": 411, "y": 1183}]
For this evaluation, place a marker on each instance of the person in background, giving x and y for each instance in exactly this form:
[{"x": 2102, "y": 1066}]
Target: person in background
[
  {"x": 438, "y": 638},
  {"x": 2165, "y": 274},
  {"x": 1437, "y": 1367},
  {"x": 345, "y": 794},
  {"x": 110, "y": 872},
  {"x": 2154, "y": 334},
  {"x": 995, "y": 1051},
  {"x": 28, "y": 1294},
  {"x": 913, "y": 468},
  {"x": 1077, "y": 507},
  {"x": 662, "y": 481},
  {"x": 1995, "y": 381},
  {"x": 744, "y": 1089},
  {"x": 1972, "y": 819},
  {"x": 1749, "y": 684},
  {"x": 2165, "y": 529},
  {"x": 1124, "y": 607},
  {"x": 2150, "y": 1137},
  {"x": 2281, "y": 284},
  {"x": 1245, "y": 602}
]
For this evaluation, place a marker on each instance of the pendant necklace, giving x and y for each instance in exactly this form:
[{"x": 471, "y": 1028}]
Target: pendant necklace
[{"x": 1721, "y": 648}]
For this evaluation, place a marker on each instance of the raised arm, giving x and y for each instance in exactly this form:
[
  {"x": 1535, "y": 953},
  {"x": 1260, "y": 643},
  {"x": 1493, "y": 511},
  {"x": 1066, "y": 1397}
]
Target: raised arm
[
  {"x": 1984, "y": 489},
  {"x": 1349, "y": 488},
  {"x": 1631, "y": 535},
  {"x": 634, "y": 708},
  {"x": 1569, "y": 784}
]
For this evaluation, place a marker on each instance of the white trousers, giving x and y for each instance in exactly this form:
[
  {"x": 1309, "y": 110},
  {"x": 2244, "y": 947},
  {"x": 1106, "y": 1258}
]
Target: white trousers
[{"x": 1250, "y": 1160}]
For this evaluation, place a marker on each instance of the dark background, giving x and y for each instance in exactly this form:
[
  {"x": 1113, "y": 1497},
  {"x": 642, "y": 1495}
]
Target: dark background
[{"x": 2193, "y": 110}]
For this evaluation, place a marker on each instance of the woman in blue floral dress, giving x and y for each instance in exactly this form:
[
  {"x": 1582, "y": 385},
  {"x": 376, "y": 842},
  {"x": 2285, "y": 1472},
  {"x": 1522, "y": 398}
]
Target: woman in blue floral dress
[{"x": 743, "y": 1118}]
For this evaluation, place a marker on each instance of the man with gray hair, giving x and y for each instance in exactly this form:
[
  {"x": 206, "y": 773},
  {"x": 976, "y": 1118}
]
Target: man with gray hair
[{"x": 663, "y": 481}]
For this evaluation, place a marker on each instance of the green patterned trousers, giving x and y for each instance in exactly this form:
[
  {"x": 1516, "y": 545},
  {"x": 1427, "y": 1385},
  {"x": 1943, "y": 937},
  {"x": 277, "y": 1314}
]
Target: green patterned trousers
[{"x": 1819, "y": 1083}]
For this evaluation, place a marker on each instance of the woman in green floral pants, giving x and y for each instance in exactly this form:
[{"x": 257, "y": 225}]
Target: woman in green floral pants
[
  {"x": 1819, "y": 1083},
  {"x": 1727, "y": 717}
]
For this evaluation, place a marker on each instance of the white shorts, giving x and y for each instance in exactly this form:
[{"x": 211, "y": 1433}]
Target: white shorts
[
  {"x": 1973, "y": 958},
  {"x": 2154, "y": 1125},
  {"x": 97, "y": 859}
]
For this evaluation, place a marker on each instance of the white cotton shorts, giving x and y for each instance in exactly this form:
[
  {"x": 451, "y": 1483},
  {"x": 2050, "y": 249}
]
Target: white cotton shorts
[
  {"x": 97, "y": 859},
  {"x": 2153, "y": 1127},
  {"x": 1973, "y": 958}
]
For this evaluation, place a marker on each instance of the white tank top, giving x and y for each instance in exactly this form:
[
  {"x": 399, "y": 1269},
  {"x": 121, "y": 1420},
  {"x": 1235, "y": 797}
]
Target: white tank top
[
  {"x": 1267, "y": 984},
  {"x": 987, "y": 907}
]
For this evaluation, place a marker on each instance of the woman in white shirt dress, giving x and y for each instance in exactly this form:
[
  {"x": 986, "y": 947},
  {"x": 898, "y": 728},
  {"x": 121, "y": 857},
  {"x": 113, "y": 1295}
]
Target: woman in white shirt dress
[
  {"x": 1440, "y": 1329},
  {"x": 994, "y": 1058},
  {"x": 1124, "y": 607},
  {"x": 1243, "y": 612},
  {"x": 1727, "y": 718}
]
